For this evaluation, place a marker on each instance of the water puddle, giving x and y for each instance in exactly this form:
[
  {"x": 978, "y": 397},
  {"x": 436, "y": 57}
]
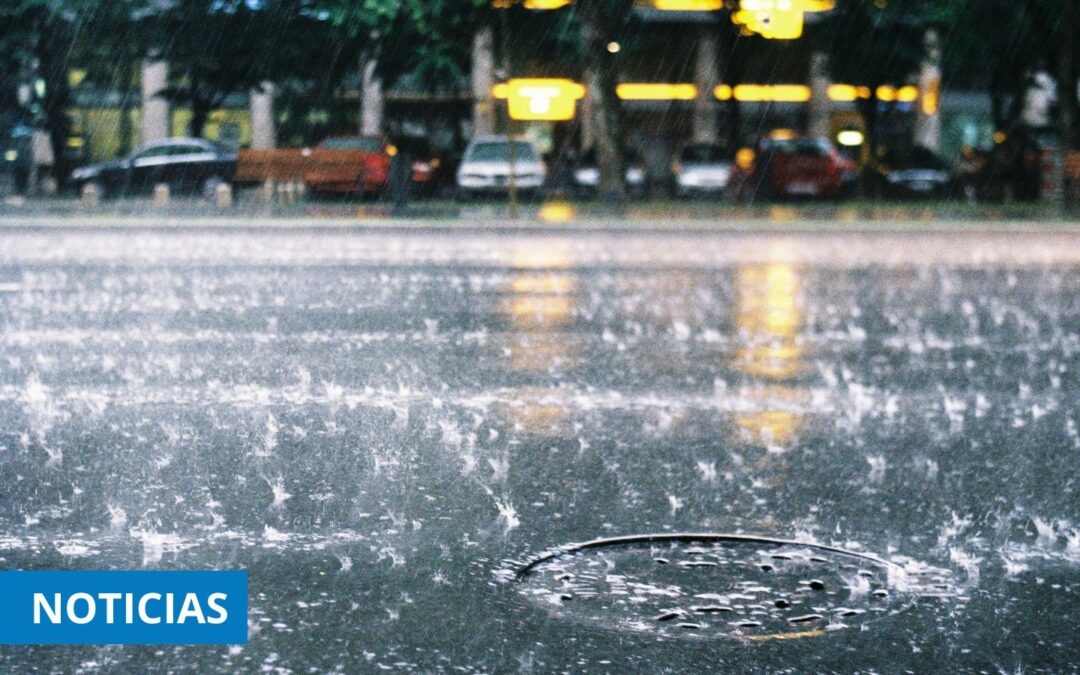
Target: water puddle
[{"x": 722, "y": 586}]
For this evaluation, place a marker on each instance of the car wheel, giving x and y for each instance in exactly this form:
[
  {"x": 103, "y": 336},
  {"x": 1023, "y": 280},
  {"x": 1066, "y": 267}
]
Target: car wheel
[
  {"x": 209, "y": 186},
  {"x": 89, "y": 185}
]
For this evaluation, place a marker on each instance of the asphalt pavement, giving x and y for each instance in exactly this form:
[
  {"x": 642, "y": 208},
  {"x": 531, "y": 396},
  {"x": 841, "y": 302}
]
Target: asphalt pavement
[{"x": 399, "y": 434}]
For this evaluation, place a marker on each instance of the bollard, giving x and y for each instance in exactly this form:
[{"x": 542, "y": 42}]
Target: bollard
[
  {"x": 91, "y": 195},
  {"x": 223, "y": 196},
  {"x": 266, "y": 192},
  {"x": 161, "y": 194}
]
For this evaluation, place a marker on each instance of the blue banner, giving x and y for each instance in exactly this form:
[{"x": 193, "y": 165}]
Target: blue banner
[{"x": 137, "y": 607}]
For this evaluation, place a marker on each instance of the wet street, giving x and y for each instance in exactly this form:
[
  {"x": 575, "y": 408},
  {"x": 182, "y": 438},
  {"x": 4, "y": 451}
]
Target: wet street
[{"x": 394, "y": 431}]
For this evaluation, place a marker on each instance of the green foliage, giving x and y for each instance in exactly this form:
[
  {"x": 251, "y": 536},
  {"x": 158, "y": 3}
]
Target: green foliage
[{"x": 874, "y": 42}]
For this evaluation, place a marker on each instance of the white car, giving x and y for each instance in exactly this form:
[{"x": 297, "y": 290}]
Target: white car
[
  {"x": 485, "y": 168},
  {"x": 702, "y": 168}
]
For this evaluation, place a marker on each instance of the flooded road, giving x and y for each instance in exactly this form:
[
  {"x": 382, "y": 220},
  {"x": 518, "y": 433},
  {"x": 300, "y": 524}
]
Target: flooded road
[{"x": 385, "y": 428}]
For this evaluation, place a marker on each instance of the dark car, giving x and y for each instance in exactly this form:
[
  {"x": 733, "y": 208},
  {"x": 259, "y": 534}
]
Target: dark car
[
  {"x": 914, "y": 173},
  {"x": 427, "y": 171},
  {"x": 587, "y": 174},
  {"x": 184, "y": 164}
]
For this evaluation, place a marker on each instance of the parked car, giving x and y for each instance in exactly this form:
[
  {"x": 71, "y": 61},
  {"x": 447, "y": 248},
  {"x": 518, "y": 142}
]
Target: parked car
[
  {"x": 184, "y": 164},
  {"x": 702, "y": 169},
  {"x": 485, "y": 168},
  {"x": 586, "y": 177},
  {"x": 914, "y": 173},
  {"x": 800, "y": 167},
  {"x": 338, "y": 172},
  {"x": 427, "y": 170}
]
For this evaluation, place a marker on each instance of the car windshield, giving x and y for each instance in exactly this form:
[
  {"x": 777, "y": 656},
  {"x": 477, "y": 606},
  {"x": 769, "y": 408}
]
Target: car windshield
[
  {"x": 352, "y": 143},
  {"x": 499, "y": 151}
]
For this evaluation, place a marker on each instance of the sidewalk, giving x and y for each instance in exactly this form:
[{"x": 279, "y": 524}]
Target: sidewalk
[{"x": 659, "y": 215}]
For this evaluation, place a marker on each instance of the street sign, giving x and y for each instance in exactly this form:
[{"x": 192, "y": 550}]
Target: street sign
[{"x": 549, "y": 99}]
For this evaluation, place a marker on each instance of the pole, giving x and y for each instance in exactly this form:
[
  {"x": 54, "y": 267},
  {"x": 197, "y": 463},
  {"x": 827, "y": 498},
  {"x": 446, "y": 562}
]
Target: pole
[
  {"x": 504, "y": 28},
  {"x": 1066, "y": 95}
]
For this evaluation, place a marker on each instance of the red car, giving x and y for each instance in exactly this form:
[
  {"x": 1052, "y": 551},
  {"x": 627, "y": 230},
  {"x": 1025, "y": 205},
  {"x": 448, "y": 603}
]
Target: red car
[
  {"x": 350, "y": 165},
  {"x": 799, "y": 167}
]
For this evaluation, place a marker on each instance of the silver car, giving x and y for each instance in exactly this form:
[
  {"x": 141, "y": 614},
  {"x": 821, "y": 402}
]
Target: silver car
[
  {"x": 485, "y": 168},
  {"x": 702, "y": 169}
]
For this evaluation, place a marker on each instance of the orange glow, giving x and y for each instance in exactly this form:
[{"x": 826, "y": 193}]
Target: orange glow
[
  {"x": 649, "y": 91},
  {"x": 931, "y": 97},
  {"x": 786, "y": 93}
]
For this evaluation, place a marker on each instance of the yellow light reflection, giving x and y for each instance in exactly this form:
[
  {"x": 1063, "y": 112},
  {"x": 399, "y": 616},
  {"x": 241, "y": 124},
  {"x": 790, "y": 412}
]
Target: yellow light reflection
[
  {"x": 557, "y": 212},
  {"x": 540, "y": 303},
  {"x": 769, "y": 317},
  {"x": 779, "y": 420},
  {"x": 650, "y": 91}
]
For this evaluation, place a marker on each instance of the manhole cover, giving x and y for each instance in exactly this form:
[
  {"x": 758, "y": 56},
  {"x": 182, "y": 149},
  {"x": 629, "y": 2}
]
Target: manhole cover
[{"x": 715, "y": 585}]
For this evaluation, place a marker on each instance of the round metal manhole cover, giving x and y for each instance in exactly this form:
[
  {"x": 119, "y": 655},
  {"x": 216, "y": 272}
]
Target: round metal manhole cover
[{"x": 715, "y": 585}]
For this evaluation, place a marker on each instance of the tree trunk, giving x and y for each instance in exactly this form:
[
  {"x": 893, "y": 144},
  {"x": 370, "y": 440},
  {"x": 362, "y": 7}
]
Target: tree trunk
[
  {"x": 200, "y": 113},
  {"x": 601, "y": 78},
  {"x": 53, "y": 46},
  {"x": 868, "y": 108},
  {"x": 1066, "y": 94},
  {"x": 127, "y": 94}
]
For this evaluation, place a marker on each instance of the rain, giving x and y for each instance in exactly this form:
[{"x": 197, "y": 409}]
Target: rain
[{"x": 552, "y": 336}]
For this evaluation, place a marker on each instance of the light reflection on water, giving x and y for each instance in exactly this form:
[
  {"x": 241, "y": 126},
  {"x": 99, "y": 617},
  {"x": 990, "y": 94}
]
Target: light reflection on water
[{"x": 372, "y": 425}]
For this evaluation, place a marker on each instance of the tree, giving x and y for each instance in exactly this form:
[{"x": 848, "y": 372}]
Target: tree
[
  {"x": 35, "y": 38},
  {"x": 999, "y": 44},
  {"x": 872, "y": 44},
  {"x": 216, "y": 48},
  {"x": 602, "y": 21}
]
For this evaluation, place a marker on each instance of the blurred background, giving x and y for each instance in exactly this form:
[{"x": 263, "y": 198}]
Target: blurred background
[{"x": 611, "y": 99}]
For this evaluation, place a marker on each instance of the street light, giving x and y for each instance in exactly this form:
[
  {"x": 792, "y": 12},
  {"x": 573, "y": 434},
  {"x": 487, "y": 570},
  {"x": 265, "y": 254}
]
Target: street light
[{"x": 777, "y": 19}]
